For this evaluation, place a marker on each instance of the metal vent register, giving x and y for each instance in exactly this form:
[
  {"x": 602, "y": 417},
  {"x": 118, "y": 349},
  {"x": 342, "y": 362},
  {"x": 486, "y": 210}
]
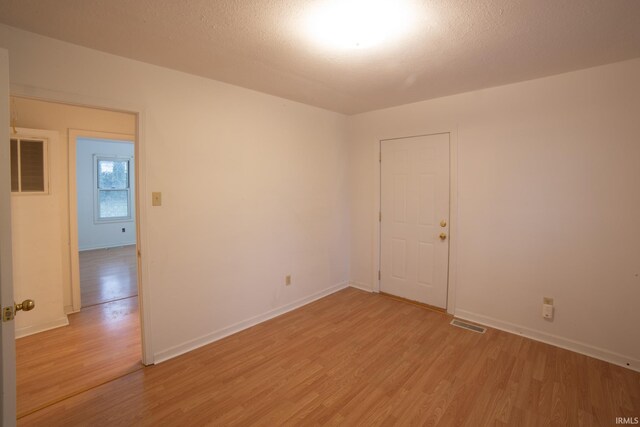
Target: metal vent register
[{"x": 469, "y": 326}]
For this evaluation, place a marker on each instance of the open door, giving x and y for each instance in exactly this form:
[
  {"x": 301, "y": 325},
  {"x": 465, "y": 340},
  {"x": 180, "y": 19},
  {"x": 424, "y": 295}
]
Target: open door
[{"x": 8, "y": 359}]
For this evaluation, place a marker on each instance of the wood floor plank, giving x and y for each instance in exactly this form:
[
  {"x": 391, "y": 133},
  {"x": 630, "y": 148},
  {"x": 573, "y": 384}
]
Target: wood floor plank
[
  {"x": 355, "y": 358},
  {"x": 108, "y": 275},
  {"x": 101, "y": 343}
]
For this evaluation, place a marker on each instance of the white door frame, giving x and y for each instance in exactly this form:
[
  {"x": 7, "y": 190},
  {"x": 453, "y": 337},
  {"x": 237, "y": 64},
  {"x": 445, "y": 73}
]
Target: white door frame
[
  {"x": 453, "y": 212},
  {"x": 74, "y": 134},
  {"x": 144, "y": 292},
  {"x": 7, "y": 329}
]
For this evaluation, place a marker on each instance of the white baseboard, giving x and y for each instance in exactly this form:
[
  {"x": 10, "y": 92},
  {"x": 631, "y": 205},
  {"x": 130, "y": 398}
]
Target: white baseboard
[
  {"x": 566, "y": 343},
  {"x": 68, "y": 309},
  {"x": 361, "y": 286},
  {"x": 190, "y": 345},
  {"x": 34, "y": 329},
  {"x": 93, "y": 248}
]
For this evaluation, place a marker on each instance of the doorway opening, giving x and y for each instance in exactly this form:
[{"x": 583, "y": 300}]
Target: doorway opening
[
  {"x": 105, "y": 216},
  {"x": 85, "y": 226}
]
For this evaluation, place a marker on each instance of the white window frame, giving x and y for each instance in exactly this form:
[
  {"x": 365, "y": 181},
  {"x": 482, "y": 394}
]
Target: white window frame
[
  {"x": 96, "y": 191},
  {"x": 45, "y": 163}
]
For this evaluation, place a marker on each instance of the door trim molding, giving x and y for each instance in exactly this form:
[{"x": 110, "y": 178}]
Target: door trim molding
[
  {"x": 453, "y": 212},
  {"x": 144, "y": 292}
]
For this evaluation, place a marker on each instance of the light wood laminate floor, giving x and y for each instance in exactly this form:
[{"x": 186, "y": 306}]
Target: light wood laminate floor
[
  {"x": 359, "y": 358},
  {"x": 101, "y": 343},
  {"x": 108, "y": 275}
]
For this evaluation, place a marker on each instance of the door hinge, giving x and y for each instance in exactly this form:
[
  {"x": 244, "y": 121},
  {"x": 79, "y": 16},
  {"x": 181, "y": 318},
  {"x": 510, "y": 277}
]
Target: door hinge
[
  {"x": 7, "y": 314},
  {"x": 380, "y": 216},
  {"x": 379, "y": 275},
  {"x": 380, "y": 157}
]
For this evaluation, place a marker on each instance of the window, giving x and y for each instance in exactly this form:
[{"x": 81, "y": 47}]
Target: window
[
  {"x": 29, "y": 165},
  {"x": 113, "y": 195}
]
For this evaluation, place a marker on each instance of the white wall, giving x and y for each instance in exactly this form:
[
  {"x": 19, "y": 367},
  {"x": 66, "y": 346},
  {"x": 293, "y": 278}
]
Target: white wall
[
  {"x": 36, "y": 114},
  {"x": 548, "y": 203},
  {"x": 92, "y": 234},
  {"x": 254, "y": 187}
]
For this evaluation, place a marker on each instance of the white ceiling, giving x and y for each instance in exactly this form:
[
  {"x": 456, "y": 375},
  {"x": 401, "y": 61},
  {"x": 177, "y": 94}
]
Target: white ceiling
[{"x": 458, "y": 46}]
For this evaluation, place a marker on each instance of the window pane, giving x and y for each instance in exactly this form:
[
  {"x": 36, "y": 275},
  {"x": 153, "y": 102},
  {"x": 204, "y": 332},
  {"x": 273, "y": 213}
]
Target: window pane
[
  {"x": 113, "y": 204},
  {"x": 14, "y": 165},
  {"x": 32, "y": 165},
  {"x": 113, "y": 174}
]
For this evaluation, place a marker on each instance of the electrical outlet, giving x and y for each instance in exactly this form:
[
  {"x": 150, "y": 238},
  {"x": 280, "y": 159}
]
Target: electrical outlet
[
  {"x": 287, "y": 280},
  {"x": 547, "y": 308}
]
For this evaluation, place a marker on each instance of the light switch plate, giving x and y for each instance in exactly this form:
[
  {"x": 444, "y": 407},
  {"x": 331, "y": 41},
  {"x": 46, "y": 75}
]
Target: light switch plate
[{"x": 156, "y": 198}]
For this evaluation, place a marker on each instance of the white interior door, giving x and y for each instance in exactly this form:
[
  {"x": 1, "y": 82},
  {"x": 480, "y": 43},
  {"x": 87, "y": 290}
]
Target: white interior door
[
  {"x": 414, "y": 229},
  {"x": 39, "y": 240},
  {"x": 8, "y": 359}
]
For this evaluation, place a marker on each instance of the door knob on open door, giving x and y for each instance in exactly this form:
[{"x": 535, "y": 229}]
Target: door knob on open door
[
  {"x": 26, "y": 305},
  {"x": 443, "y": 236}
]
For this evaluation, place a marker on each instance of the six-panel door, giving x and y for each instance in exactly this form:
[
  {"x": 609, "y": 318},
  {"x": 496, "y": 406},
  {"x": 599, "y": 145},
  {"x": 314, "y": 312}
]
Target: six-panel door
[{"x": 414, "y": 252}]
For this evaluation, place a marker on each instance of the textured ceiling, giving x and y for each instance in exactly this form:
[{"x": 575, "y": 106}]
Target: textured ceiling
[{"x": 457, "y": 46}]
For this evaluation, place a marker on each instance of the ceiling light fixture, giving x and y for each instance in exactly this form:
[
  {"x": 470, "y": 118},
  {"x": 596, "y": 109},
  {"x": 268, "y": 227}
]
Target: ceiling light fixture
[{"x": 353, "y": 24}]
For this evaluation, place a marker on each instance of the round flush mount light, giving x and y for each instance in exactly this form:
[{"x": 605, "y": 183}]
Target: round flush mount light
[{"x": 358, "y": 24}]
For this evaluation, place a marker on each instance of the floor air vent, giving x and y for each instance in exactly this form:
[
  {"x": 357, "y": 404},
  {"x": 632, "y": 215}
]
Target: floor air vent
[{"x": 469, "y": 326}]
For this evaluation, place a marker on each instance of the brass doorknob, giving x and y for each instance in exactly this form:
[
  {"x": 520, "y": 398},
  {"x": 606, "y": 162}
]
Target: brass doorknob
[
  {"x": 443, "y": 236},
  {"x": 26, "y": 305},
  {"x": 443, "y": 223}
]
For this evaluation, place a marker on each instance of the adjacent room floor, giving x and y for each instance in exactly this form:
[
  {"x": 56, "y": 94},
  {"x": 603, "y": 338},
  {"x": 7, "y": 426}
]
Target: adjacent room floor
[
  {"x": 360, "y": 358},
  {"x": 108, "y": 275},
  {"x": 102, "y": 341}
]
